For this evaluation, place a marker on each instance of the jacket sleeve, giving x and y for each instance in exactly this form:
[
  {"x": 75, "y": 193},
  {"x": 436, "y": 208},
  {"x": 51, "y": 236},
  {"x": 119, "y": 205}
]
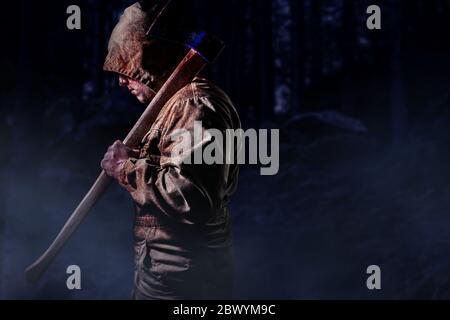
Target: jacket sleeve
[{"x": 189, "y": 193}]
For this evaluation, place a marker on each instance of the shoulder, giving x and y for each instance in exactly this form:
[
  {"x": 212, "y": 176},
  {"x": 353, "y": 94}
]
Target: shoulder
[
  {"x": 203, "y": 100},
  {"x": 210, "y": 101},
  {"x": 201, "y": 88}
]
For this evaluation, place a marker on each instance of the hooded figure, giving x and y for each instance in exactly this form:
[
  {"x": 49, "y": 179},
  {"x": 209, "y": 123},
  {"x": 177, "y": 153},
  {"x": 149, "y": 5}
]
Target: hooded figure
[{"x": 182, "y": 238}]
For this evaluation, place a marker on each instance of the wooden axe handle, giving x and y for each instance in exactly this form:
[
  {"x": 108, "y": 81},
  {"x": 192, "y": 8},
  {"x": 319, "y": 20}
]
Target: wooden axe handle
[{"x": 186, "y": 70}]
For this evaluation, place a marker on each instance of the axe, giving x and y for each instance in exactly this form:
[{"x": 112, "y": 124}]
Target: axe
[{"x": 203, "y": 49}]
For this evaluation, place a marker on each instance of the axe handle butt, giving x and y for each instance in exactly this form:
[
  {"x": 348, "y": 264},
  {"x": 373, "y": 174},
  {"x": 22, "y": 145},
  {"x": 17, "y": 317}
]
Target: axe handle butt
[{"x": 34, "y": 272}]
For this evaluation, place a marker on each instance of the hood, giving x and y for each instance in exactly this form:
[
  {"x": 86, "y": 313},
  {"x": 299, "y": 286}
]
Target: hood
[{"x": 134, "y": 54}]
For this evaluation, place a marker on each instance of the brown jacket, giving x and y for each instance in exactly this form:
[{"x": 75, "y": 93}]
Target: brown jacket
[
  {"x": 161, "y": 182},
  {"x": 182, "y": 229}
]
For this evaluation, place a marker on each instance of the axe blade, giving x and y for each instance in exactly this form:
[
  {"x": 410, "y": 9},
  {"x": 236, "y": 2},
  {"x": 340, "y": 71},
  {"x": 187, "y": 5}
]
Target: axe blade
[{"x": 207, "y": 45}]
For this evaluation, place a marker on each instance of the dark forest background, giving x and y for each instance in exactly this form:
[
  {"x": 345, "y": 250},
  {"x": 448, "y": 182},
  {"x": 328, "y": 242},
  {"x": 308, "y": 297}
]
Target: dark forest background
[{"x": 363, "y": 115}]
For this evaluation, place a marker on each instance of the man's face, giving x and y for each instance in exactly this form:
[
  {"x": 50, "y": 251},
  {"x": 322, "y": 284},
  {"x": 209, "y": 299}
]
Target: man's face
[{"x": 143, "y": 93}]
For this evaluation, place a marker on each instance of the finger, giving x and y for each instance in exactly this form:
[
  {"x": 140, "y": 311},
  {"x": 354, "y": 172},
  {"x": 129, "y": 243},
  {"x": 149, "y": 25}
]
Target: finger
[
  {"x": 108, "y": 155},
  {"x": 107, "y": 169},
  {"x": 108, "y": 173}
]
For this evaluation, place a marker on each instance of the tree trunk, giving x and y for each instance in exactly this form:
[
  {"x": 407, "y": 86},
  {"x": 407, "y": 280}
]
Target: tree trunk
[
  {"x": 399, "y": 114},
  {"x": 265, "y": 61},
  {"x": 316, "y": 40},
  {"x": 298, "y": 55},
  {"x": 348, "y": 41}
]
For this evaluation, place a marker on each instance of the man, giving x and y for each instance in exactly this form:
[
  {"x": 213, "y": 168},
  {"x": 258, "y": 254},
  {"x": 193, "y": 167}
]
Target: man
[{"x": 182, "y": 228}]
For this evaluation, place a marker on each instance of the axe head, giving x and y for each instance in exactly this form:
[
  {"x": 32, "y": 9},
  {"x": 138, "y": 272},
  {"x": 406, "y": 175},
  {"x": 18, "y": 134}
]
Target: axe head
[
  {"x": 207, "y": 45},
  {"x": 170, "y": 23}
]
